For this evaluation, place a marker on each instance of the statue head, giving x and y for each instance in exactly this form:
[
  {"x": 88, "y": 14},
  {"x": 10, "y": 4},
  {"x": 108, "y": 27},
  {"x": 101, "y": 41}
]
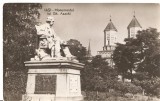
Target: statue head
[{"x": 50, "y": 20}]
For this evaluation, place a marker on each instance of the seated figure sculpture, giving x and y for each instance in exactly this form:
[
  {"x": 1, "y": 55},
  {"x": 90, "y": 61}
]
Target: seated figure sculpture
[{"x": 50, "y": 45}]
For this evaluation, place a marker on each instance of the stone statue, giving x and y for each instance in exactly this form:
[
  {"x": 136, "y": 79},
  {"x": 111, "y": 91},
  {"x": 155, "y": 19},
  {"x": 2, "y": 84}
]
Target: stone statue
[{"x": 49, "y": 44}]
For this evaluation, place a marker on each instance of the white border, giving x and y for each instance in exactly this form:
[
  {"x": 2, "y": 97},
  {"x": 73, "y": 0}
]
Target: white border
[
  {"x": 51, "y": 1},
  {"x": 81, "y": 1}
]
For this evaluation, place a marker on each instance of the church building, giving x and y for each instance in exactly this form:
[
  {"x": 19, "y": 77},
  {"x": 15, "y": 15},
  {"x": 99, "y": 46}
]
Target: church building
[{"x": 110, "y": 38}]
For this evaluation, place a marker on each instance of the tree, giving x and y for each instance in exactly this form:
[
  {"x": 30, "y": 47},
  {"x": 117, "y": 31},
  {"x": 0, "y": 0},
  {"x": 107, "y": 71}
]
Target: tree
[
  {"x": 139, "y": 54},
  {"x": 97, "y": 75},
  {"x": 148, "y": 52},
  {"x": 124, "y": 59},
  {"x": 77, "y": 49},
  {"x": 19, "y": 34},
  {"x": 19, "y": 43}
]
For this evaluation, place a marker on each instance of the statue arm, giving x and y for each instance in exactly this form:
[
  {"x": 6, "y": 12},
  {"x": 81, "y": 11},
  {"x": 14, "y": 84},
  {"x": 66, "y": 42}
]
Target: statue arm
[
  {"x": 40, "y": 30},
  {"x": 60, "y": 40}
]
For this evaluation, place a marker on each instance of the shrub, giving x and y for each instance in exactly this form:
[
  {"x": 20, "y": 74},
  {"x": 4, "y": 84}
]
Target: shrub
[
  {"x": 14, "y": 85},
  {"x": 113, "y": 93},
  {"x": 151, "y": 86},
  {"x": 127, "y": 87},
  {"x": 129, "y": 95}
]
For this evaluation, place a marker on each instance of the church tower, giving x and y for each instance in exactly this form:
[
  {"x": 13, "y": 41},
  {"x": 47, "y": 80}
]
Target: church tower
[
  {"x": 133, "y": 28},
  {"x": 110, "y": 38},
  {"x": 88, "y": 54},
  {"x": 89, "y": 50}
]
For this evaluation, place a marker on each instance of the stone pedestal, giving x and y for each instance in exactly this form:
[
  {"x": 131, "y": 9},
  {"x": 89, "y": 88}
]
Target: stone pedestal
[{"x": 53, "y": 80}]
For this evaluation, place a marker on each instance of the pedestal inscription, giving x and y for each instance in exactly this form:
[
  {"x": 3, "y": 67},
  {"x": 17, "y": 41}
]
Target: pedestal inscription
[
  {"x": 73, "y": 84},
  {"x": 45, "y": 84}
]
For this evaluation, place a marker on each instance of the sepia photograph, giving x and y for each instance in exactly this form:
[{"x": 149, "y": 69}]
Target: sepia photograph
[{"x": 81, "y": 52}]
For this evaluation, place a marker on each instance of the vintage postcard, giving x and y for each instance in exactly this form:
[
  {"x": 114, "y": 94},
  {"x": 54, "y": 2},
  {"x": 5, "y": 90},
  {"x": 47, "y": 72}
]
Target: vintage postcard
[{"x": 81, "y": 52}]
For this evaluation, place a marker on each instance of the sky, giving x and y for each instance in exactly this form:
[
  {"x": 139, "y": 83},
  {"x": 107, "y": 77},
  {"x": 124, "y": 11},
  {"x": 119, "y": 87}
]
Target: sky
[{"x": 88, "y": 21}]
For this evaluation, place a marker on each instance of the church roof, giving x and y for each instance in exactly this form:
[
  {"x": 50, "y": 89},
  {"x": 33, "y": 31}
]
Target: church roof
[
  {"x": 134, "y": 23},
  {"x": 110, "y": 27}
]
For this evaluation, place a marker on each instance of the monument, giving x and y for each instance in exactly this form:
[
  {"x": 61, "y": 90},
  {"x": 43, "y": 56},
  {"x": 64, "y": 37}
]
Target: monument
[{"x": 53, "y": 74}]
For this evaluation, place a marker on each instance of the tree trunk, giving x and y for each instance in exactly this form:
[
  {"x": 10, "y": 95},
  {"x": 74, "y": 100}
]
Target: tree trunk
[
  {"x": 143, "y": 92},
  {"x": 97, "y": 95},
  {"x": 131, "y": 75},
  {"x": 123, "y": 78}
]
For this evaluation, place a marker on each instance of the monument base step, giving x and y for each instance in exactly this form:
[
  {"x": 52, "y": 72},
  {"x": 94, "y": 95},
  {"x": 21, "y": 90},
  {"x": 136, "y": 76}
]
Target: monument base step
[{"x": 49, "y": 97}]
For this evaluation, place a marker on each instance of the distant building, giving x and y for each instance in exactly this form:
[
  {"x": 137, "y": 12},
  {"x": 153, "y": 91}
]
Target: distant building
[
  {"x": 88, "y": 54},
  {"x": 110, "y": 38},
  {"x": 133, "y": 28}
]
